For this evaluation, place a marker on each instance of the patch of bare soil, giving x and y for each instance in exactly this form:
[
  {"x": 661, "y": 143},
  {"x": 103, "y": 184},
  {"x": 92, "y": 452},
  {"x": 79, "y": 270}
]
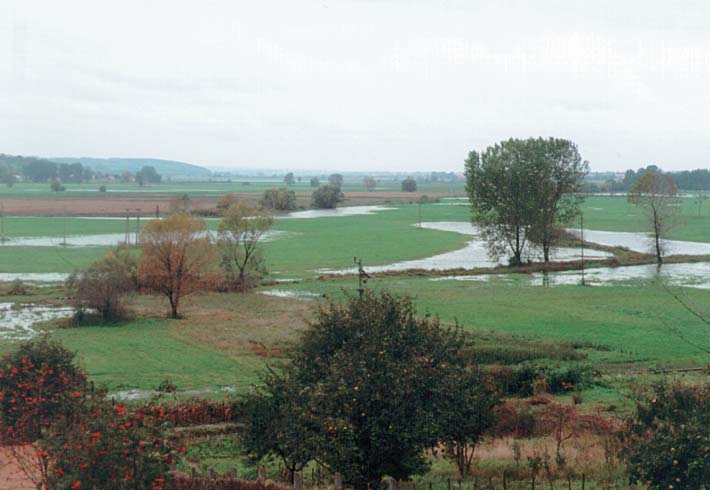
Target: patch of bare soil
[
  {"x": 95, "y": 207},
  {"x": 11, "y": 475}
]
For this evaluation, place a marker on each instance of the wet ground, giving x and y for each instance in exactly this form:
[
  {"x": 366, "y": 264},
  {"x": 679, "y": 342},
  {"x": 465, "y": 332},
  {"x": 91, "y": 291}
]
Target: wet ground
[{"x": 17, "y": 320}]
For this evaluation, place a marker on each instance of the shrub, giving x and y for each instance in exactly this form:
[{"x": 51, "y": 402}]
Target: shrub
[
  {"x": 107, "y": 447},
  {"x": 409, "y": 185},
  {"x": 327, "y": 197},
  {"x": 226, "y": 201},
  {"x": 57, "y": 186},
  {"x": 105, "y": 284},
  {"x": 315, "y": 182},
  {"x": 522, "y": 380},
  {"x": 102, "y": 188},
  {"x": 35, "y": 383},
  {"x": 667, "y": 442},
  {"x": 280, "y": 199}
]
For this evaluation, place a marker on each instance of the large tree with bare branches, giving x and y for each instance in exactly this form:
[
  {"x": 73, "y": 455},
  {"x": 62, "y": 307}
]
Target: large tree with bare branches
[
  {"x": 177, "y": 254},
  {"x": 657, "y": 195}
]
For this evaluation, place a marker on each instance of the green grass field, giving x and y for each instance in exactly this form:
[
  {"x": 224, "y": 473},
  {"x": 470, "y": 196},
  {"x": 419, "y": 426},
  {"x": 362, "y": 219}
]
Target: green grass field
[
  {"x": 381, "y": 238},
  {"x": 636, "y": 321}
]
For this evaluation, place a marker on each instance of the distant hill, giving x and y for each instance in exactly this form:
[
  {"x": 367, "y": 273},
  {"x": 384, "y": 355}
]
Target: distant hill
[{"x": 112, "y": 166}]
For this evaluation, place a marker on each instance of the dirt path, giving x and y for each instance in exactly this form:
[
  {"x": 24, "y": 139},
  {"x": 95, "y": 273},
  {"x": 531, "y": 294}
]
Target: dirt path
[{"x": 11, "y": 476}]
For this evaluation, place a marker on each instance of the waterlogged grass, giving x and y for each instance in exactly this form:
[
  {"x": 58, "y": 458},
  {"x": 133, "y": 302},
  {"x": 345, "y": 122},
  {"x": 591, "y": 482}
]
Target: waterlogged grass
[
  {"x": 387, "y": 236},
  {"x": 383, "y": 237},
  {"x": 640, "y": 323},
  {"x": 617, "y": 214}
]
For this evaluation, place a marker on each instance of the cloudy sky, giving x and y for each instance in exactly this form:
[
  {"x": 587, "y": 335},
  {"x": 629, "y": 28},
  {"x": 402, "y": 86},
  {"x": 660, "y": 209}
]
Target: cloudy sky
[{"x": 355, "y": 84}]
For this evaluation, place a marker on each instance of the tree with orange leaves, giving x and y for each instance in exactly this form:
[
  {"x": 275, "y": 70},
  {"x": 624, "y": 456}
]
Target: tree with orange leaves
[{"x": 177, "y": 255}]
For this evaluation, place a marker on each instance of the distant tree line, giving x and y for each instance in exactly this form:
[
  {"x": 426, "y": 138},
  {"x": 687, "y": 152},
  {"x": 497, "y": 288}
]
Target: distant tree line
[
  {"x": 691, "y": 180},
  {"x": 39, "y": 170}
]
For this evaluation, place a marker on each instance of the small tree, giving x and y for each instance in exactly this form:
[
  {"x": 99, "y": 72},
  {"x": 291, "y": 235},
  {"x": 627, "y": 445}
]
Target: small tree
[
  {"x": 105, "y": 284},
  {"x": 227, "y": 201},
  {"x": 409, "y": 185},
  {"x": 279, "y": 199},
  {"x": 327, "y": 197},
  {"x": 176, "y": 256},
  {"x": 667, "y": 440},
  {"x": 370, "y": 184},
  {"x": 336, "y": 180},
  {"x": 148, "y": 175},
  {"x": 374, "y": 372},
  {"x": 238, "y": 237},
  {"x": 289, "y": 179},
  {"x": 657, "y": 195},
  {"x": 277, "y": 422},
  {"x": 315, "y": 182},
  {"x": 468, "y": 415},
  {"x": 57, "y": 186}
]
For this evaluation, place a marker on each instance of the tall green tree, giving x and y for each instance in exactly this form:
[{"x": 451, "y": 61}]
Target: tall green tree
[
  {"x": 326, "y": 197},
  {"x": 521, "y": 190},
  {"x": 559, "y": 176}
]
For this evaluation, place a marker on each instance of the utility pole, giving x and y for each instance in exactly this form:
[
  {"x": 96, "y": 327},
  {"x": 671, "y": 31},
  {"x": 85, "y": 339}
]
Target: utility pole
[
  {"x": 362, "y": 277},
  {"x": 127, "y": 237},
  {"x": 581, "y": 241},
  {"x": 65, "y": 227},
  {"x": 3, "y": 239},
  {"x": 138, "y": 226}
]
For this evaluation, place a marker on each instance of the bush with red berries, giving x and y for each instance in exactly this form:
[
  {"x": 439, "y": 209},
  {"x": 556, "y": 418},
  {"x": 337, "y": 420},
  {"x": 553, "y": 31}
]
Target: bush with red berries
[{"x": 36, "y": 383}]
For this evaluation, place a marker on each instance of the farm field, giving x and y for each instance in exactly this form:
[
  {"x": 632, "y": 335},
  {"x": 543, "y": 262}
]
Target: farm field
[
  {"x": 634, "y": 319},
  {"x": 625, "y": 330}
]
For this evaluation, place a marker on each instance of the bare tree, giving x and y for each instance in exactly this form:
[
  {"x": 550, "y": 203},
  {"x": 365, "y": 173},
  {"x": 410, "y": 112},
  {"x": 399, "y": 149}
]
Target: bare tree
[
  {"x": 176, "y": 256},
  {"x": 238, "y": 236},
  {"x": 657, "y": 195}
]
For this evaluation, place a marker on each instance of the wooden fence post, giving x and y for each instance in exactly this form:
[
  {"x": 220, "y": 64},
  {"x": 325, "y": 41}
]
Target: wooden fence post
[
  {"x": 584, "y": 477},
  {"x": 233, "y": 473},
  {"x": 338, "y": 481},
  {"x": 391, "y": 484},
  {"x": 261, "y": 473}
]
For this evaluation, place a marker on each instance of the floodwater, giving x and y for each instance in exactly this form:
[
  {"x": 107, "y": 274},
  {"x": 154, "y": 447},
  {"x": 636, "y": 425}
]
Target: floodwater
[
  {"x": 337, "y": 212},
  {"x": 17, "y": 320},
  {"x": 34, "y": 277},
  {"x": 100, "y": 240},
  {"x": 473, "y": 255},
  {"x": 282, "y": 293},
  {"x": 641, "y": 242},
  {"x": 696, "y": 275}
]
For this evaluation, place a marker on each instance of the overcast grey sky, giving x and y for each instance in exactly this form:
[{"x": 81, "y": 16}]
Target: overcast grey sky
[{"x": 355, "y": 84}]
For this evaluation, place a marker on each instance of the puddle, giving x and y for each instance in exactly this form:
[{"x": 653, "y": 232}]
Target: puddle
[
  {"x": 473, "y": 255},
  {"x": 282, "y": 293},
  {"x": 331, "y": 213},
  {"x": 17, "y": 320},
  {"x": 34, "y": 277},
  {"x": 641, "y": 242},
  {"x": 696, "y": 275}
]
